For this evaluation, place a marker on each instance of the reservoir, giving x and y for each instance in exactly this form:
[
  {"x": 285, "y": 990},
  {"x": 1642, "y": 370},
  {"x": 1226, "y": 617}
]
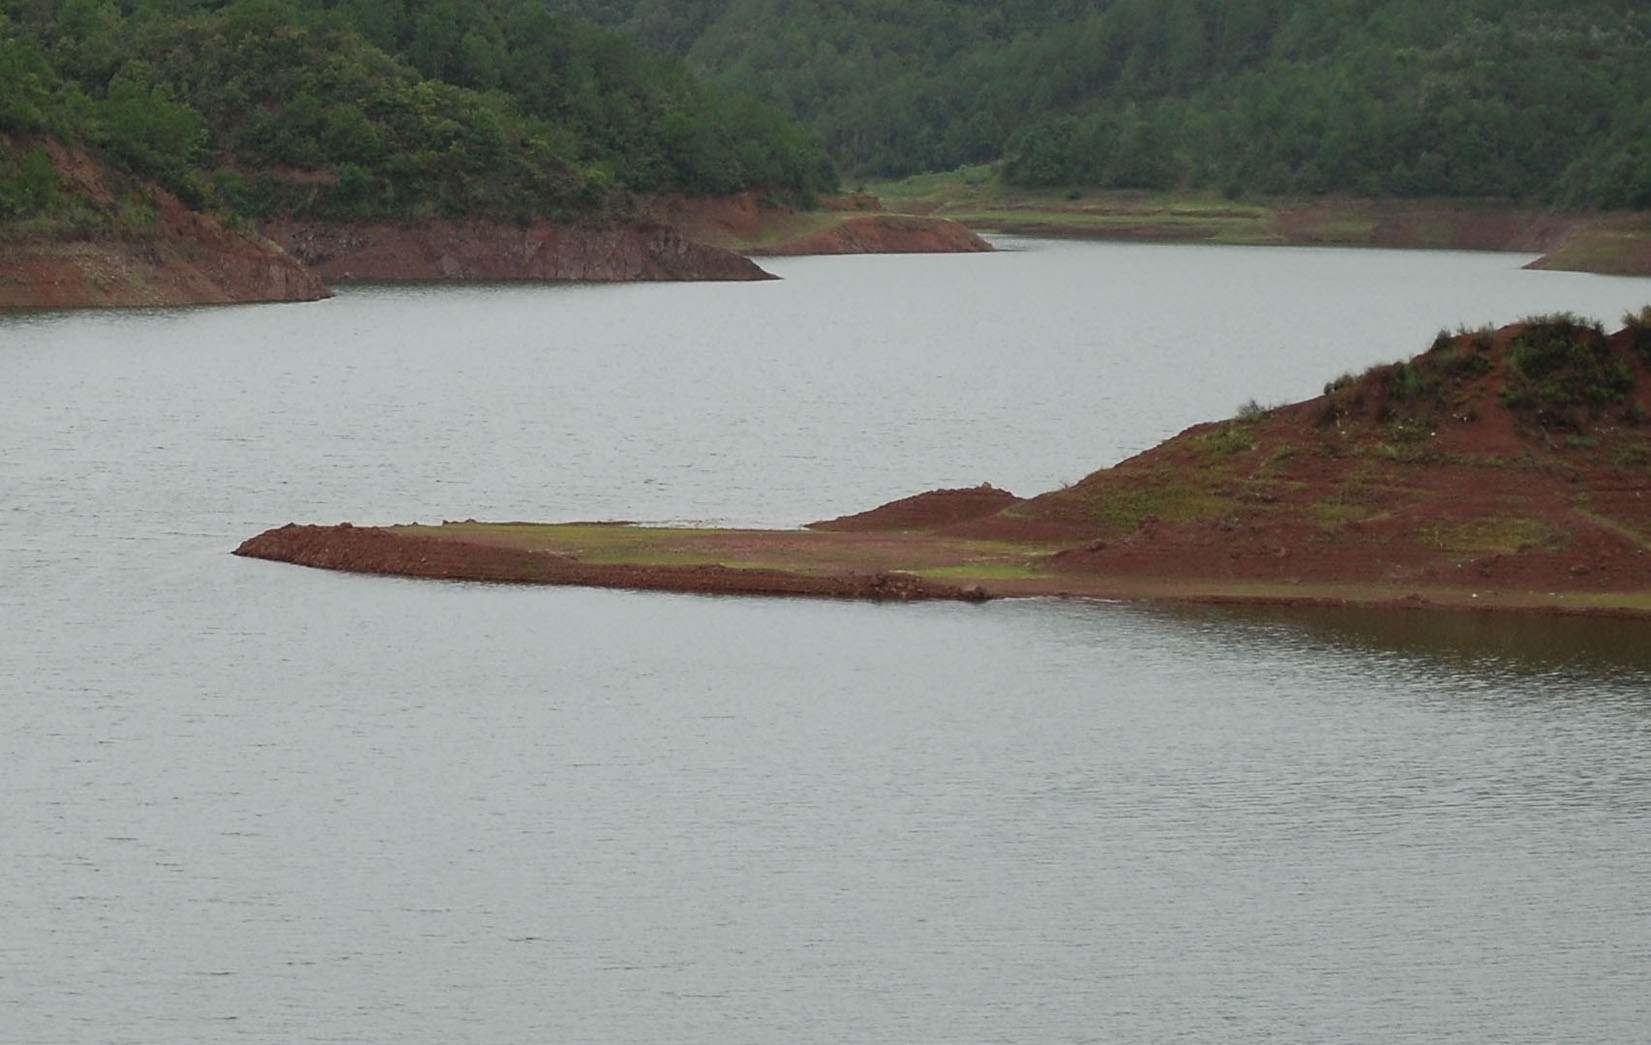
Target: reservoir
[{"x": 251, "y": 802}]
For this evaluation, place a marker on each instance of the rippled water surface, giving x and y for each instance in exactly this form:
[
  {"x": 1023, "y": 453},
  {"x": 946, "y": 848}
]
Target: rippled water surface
[{"x": 249, "y": 802}]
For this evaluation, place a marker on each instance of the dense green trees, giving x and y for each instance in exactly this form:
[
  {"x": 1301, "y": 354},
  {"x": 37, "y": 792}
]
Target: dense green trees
[
  {"x": 416, "y": 108},
  {"x": 27, "y": 83},
  {"x": 649, "y": 122},
  {"x": 1540, "y": 99},
  {"x": 516, "y": 108}
]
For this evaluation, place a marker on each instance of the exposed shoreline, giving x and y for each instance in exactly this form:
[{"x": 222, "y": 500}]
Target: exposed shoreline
[
  {"x": 1504, "y": 470},
  {"x": 411, "y": 552},
  {"x": 1608, "y": 243},
  {"x": 191, "y": 259},
  {"x": 187, "y": 257},
  {"x": 466, "y": 251},
  {"x": 153, "y": 250}
]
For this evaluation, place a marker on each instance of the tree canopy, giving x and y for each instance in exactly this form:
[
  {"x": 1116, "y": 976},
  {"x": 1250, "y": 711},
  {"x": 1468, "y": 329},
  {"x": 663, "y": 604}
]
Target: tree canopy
[
  {"x": 355, "y": 108},
  {"x": 1541, "y": 99}
]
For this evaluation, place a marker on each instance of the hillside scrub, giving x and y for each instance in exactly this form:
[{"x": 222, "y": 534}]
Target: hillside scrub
[
  {"x": 361, "y": 109},
  {"x": 1520, "y": 99}
]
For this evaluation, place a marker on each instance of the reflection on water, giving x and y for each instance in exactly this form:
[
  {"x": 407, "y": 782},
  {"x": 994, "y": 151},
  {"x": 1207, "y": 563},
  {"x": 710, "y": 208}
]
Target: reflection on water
[{"x": 1576, "y": 648}]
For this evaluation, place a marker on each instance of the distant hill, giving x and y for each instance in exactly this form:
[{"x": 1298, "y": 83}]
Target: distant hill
[
  {"x": 368, "y": 109},
  {"x": 1543, "y": 100}
]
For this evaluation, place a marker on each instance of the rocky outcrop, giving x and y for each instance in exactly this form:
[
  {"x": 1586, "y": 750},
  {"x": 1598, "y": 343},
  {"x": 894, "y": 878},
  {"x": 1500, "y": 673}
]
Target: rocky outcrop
[{"x": 460, "y": 251}]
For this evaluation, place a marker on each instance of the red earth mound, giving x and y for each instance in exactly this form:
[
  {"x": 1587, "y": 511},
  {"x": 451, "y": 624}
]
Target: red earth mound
[
  {"x": 1514, "y": 460},
  {"x": 925, "y": 511}
]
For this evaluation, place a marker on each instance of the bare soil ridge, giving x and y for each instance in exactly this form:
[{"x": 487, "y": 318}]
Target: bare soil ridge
[
  {"x": 1499, "y": 470},
  {"x": 480, "y": 250}
]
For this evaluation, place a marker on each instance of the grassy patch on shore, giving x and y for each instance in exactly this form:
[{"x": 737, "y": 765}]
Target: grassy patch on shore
[
  {"x": 975, "y": 197},
  {"x": 1000, "y": 571},
  {"x": 774, "y": 228},
  {"x": 1504, "y": 536},
  {"x": 603, "y": 543},
  {"x": 1625, "y": 251},
  {"x": 1640, "y": 536},
  {"x": 798, "y": 551},
  {"x": 1003, "y": 568}
]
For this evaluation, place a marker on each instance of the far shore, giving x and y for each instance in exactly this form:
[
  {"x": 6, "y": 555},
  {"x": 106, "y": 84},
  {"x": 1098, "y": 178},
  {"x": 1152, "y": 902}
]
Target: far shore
[
  {"x": 190, "y": 258},
  {"x": 1608, "y": 243}
]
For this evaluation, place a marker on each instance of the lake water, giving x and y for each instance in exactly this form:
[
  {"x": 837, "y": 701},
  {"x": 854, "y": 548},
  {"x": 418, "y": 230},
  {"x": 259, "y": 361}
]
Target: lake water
[{"x": 244, "y": 801}]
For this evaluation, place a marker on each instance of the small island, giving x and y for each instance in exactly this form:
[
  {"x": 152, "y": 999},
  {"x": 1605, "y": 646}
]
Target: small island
[{"x": 1501, "y": 469}]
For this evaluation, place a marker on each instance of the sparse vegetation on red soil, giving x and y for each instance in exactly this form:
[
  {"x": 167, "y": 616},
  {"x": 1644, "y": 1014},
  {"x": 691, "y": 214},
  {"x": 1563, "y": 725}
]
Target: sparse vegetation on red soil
[{"x": 1502, "y": 468}]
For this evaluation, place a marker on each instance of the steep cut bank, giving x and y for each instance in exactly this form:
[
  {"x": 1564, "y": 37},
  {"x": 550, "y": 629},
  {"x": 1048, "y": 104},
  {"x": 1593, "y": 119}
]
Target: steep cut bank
[
  {"x": 1500, "y": 470},
  {"x": 486, "y": 250},
  {"x": 187, "y": 257},
  {"x": 204, "y": 267},
  {"x": 139, "y": 245}
]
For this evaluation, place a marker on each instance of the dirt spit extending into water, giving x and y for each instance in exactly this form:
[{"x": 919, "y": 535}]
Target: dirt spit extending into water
[
  {"x": 1500, "y": 470},
  {"x": 371, "y": 549}
]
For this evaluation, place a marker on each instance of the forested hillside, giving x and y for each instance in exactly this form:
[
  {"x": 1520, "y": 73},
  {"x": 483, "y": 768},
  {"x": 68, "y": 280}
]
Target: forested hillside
[
  {"x": 1545, "y": 100},
  {"x": 364, "y": 108}
]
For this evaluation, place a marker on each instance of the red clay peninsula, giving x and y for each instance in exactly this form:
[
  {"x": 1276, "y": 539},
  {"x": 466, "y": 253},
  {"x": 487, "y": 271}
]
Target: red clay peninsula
[
  {"x": 170, "y": 254},
  {"x": 694, "y": 239},
  {"x": 1499, "y": 470}
]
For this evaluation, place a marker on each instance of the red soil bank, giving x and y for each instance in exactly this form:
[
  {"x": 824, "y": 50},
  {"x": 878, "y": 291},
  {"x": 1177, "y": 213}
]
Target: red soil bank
[
  {"x": 367, "y": 549},
  {"x": 182, "y": 257},
  {"x": 479, "y": 250}
]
